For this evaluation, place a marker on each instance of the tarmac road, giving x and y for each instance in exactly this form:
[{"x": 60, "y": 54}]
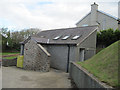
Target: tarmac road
[{"x": 14, "y": 77}]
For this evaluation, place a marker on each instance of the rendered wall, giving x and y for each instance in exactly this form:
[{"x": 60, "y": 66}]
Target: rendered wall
[
  {"x": 59, "y": 55},
  {"x": 84, "y": 21},
  {"x": 89, "y": 44},
  {"x": 35, "y": 58},
  {"x": 83, "y": 79},
  {"x": 89, "y": 54},
  {"x": 106, "y": 22}
]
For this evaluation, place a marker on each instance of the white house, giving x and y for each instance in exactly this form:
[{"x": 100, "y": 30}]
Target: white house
[{"x": 100, "y": 18}]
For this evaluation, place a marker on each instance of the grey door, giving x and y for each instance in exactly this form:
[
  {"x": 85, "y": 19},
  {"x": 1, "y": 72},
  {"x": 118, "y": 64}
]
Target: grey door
[
  {"x": 81, "y": 54},
  {"x": 59, "y": 56}
]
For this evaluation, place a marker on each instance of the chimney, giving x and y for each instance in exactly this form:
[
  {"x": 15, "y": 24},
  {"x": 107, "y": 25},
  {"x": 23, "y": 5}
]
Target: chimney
[
  {"x": 119, "y": 15},
  {"x": 94, "y": 8}
]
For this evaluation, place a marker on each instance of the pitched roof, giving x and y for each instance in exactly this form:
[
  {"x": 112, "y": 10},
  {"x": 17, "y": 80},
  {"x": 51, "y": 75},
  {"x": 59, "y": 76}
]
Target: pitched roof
[
  {"x": 100, "y": 12},
  {"x": 48, "y": 37}
]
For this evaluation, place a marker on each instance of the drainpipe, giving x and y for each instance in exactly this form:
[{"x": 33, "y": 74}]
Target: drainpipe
[
  {"x": 68, "y": 59},
  {"x": 22, "y": 49}
]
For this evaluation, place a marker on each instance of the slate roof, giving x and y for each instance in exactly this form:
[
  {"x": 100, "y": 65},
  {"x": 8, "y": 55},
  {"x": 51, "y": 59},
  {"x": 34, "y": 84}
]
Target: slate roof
[{"x": 46, "y": 37}]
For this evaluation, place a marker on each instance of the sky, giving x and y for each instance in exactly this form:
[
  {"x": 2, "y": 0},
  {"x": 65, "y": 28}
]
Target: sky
[{"x": 49, "y": 14}]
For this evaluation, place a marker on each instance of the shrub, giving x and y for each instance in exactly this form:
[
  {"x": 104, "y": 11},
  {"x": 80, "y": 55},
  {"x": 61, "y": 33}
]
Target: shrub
[{"x": 107, "y": 37}]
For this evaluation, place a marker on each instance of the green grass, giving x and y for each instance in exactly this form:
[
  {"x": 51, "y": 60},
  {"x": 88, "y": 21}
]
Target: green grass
[
  {"x": 10, "y": 57},
  {"x": 104, "y": 65},
  {"x": 9, "y": 53},
  {"x": 99, "y": 49}
]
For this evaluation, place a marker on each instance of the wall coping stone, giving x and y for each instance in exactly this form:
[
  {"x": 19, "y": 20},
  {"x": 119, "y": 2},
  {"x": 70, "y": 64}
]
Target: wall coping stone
[
  {"x": 44, "y": 50},
  {"x": 91, "y": 75}
]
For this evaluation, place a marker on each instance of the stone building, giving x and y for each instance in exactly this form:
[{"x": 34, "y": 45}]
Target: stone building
[
  {"x": 57, "y": 48},
  {"x": 100, "y": 18}
]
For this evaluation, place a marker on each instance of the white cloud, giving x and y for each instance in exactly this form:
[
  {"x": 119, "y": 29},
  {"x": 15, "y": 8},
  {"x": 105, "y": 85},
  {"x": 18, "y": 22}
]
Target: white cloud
[{"x": 40, "y": 14}]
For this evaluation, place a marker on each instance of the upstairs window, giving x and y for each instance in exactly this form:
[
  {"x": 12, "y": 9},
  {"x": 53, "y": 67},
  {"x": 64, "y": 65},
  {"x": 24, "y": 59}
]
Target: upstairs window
[{"x": 84, "y": 25}]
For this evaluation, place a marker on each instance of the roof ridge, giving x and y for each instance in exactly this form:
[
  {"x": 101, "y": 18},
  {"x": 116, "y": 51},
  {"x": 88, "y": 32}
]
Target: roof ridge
[{"x": 67, "y": 28}]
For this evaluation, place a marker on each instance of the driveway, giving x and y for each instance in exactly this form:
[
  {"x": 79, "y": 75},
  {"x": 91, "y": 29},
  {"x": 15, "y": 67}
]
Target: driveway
[
  {"x": 18, "y": 78},
  {"x": 0, "y": 78}
]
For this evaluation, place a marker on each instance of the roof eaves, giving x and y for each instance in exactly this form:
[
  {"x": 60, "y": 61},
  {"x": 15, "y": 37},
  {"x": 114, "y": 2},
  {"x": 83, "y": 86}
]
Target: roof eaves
[
  {"x": 57, "y": 43},
  {"x": 88, "y": 35},
  {"x": 108, "y": 14},
  {"x": 26, "y": 40},
  {"x": 83, "y": 18}
]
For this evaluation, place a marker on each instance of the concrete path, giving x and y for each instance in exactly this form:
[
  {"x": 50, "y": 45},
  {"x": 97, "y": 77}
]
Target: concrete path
[
  {"x": 18, "y": 78},
  {"x": 0, "y": 78}
]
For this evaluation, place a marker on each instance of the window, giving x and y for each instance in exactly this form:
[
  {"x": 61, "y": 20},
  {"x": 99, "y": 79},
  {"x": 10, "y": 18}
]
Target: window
[
  {"x": 84, "y": 25},
  {"x": 75, "y": 37},
  {"x": 65, "y": 37},
  {"x": 56, "y": 38}
]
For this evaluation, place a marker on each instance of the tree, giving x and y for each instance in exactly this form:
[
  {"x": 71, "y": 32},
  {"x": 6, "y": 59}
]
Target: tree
[
  {"x": 107, "y": 37},
  {"x": 3, "y": 34},
  {"x": 11, "y": 40}
]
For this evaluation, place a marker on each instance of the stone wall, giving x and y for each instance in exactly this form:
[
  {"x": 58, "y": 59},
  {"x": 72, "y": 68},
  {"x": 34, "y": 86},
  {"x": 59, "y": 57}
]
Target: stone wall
[
  {"x": 9, "y": 62},
  {"x": 83, "y": 79},
  {"x": 36, "y": 57}
]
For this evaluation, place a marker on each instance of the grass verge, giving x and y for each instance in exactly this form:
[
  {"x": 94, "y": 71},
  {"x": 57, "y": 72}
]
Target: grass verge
[
  {"x": 104, "y": 65},
  {"x": 8, "y": 53}
]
